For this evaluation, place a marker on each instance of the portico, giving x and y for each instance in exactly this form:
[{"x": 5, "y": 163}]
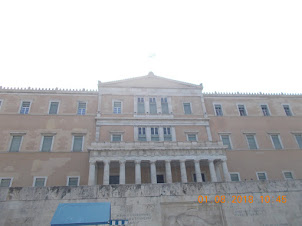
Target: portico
[{"x": 176, "y": 162}]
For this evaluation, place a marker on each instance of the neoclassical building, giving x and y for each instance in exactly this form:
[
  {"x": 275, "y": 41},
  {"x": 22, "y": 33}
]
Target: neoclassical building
[{"x": 147, "y": 129}]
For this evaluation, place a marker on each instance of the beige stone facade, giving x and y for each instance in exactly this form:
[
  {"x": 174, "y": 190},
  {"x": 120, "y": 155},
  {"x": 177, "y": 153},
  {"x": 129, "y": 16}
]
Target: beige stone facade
[{"x": 147, "y": 130}]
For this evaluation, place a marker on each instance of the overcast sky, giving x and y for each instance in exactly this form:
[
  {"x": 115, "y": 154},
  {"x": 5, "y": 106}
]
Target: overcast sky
[{"x": 246, "y": 46}]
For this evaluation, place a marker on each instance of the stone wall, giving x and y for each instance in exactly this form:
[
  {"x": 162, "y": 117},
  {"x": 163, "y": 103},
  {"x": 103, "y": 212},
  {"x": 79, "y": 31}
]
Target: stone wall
[{"x": 163, "y": 204}]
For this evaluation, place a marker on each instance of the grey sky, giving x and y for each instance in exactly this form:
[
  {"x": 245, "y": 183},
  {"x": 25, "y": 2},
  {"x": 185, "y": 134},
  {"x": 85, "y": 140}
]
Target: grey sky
[{"x": 246, "y": 46}]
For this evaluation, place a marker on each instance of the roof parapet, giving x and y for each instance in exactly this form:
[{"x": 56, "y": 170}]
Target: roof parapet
[
  {"x": 249, "y": 94},
  {"x": 48, "y": 90}
]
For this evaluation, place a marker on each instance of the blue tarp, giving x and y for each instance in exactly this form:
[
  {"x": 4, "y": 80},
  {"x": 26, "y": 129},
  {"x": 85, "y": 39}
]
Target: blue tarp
[{"x": 82, "y": 214}]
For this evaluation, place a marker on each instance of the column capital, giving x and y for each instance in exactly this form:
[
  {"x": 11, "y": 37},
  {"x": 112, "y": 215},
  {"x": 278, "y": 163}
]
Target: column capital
[
  {"x": 122, "y": 161},
  {"x": 138, "y": 161},
  {"x": 152, "y": 161},
  {"x": 106, "y": 161},
  {"x": 92, "y": 162}
]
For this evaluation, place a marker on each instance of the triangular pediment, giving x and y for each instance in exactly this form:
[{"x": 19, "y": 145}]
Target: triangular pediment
[{"x": 149, "y": 81}]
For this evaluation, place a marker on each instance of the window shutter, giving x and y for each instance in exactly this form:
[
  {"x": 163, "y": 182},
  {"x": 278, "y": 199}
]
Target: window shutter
[
  {"x": 53, "y": 110},
  {"x": 47, "y": 142},
  {"x": 73, "y": 181},
  {"x": 15, "y": 145},
  {"x": 5, "y": 182},
  {"x": 77, "y": 143}
]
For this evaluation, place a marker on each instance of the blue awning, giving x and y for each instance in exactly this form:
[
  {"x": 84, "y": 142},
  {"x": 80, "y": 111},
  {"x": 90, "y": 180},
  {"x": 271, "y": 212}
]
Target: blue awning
[{"x": 82, "y": 214}]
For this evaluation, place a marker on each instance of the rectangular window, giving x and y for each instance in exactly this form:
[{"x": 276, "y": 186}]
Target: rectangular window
[
  {"x": 53, "y": 108},
  {"x": 276, "y": 141},
  {"x": 154, "y": 134},
  {"x": 46, "y": 143},
  {"x": 114, "y": 179},
  {"x": 167, "y": 134},
  {"x": 140, "y": 105},
  {"x": 164, "y": 106},
  {"x": 15, "y": 144},
  {"x": 39, "y": 182},
  {"x": 235, "y": 176},
  {"x": 192, "y": 137},
  {"x": 241, "y": 109},
  {"x": 187, "y": 108},
  {"x": 5, "y": 182},
  {"x": 202, "y": 177},
  {"x": 288, "y": 175},
  {"x": 287, "y": 110},
  {"x": 251, "y": 141},
  {"x": 226, "y": 141},
  {"x": 116, "y": 138},
  {"x": 261, "y": 176},
  {"x": 117, "y": 107},
  {"x": 142, "y": 134},
  {"x": 77, "y": 143},
  {"x": 81, "y": 108},
  {"x": 25, "y": 107},
  {"x": 218, "y": 110},
  {"x": 299, "y": 140},
  {"x": 265, "y": 110},
  {"x": 73, "y": 181},
  {"x": 0, "y": 103},
  {"x": 152, "y": 105}
]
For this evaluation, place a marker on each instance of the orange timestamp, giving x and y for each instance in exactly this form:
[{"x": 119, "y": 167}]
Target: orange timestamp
[{"x": 242, "y": 199}]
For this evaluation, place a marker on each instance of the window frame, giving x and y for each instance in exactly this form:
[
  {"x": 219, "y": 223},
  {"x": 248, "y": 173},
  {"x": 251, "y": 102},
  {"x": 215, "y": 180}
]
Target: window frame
[
  {"x": 288, "y": 171},
  {"x": 254, "y": 135},
  {"x": 1, "y": 103},
  {"x": 113, "y": 101},
  {"x": 42, "y": 139},
  {"x": 169, "y": 135},
  {"x": 137, "y": 107},
  {"x": 192, "y": 133},
  {"x": 150, "y": 103},
  {"x": 5, "y": 178},
  {"x": 295, "y": 135},
  {"x": 290, "y": 110},
  {"x": 268, "y": 110},
  {"x": 83, "y": 140},
  {"x": 266, "y": 178},
  {"x": 115, "y": 134},
  {"x": 215, "y": 113},
  {"x": 191, "y": 109},
  {"x": 80, "y": 101},
  {"x": 279, "y": 138},
  {"x": 49, "y": 105},
  {"x": 11, "y": 140},
  {"x": 161, "y": 105},
  {"x": 229, "y": 135},
  {"x": 245, "y": 110},
  {"x": 78, "y": 184},
  {"x": 30, "y": 103},
  {"x": 36, "y": 177},
  {"x": 154, "y": 135},
  {"x": 238, "y": 174},
  {"x": 138, "y": 135}
]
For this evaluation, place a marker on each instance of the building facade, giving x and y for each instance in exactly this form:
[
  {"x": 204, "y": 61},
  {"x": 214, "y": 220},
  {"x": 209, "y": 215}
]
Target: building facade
[{"x": 147, "y": 129}]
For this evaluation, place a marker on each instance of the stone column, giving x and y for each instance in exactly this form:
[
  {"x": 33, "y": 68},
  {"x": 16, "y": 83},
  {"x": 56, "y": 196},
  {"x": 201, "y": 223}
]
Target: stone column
[
  {"x": 153, "y": 172},
  {"x": 226, "y": 174},
  {"x": 168, "y": 171},
  {"x": 91, "y": 178},
  {"x": 217, "y": 170},
  {"x": 106, "y": 172},
  {"x": 97, "y": 133},
  {"x": 212, "y": 170},
  {"x": 197, "y": 171},
  {"x": 122, "y": 172},
  {"x": 183, "y": 171},
  {"x": 161, "y": 133},
  {"x": 209, "y": 133},
  {"x": 138, "y": 178}
]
